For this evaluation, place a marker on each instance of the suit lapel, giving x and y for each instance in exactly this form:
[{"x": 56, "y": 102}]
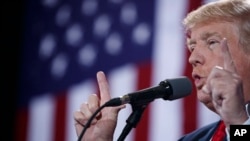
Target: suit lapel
[{"x": 202, "y": 134}]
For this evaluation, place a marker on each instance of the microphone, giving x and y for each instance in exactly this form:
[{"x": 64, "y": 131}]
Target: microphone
[{"x": 169, "y": 89}]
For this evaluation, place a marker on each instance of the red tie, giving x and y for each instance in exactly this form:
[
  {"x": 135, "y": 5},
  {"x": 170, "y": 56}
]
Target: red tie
[{"x": 220, "y": 132}]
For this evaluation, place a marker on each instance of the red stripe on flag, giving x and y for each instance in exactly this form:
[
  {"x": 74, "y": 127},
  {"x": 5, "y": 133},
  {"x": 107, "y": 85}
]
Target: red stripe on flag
[
  {"x": 190, "y": 107},
  {"x": 144, "y": 81},
  {"x": 190, "y": 102},
  {"x": 60, "y": 117},
  {"x": 21, "y": 125}
]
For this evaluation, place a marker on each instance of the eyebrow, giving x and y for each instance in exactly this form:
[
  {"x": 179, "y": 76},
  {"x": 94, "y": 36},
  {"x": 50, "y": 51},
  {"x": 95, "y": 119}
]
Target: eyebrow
[
  {"x": 203, "y": 37},
  {"x": 209, "y": 34}
]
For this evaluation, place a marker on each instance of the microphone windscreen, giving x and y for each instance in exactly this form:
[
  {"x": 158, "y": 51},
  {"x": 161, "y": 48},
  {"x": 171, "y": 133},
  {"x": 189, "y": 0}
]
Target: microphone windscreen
[{"x": 181, "y": 87}]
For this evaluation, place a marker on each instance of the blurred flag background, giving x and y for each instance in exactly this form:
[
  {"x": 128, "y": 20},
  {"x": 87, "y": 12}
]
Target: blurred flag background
[{"x": 136, "y": 43}]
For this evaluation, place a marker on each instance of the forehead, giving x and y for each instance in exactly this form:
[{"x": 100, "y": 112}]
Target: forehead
[{"x": 220, "y": 29}]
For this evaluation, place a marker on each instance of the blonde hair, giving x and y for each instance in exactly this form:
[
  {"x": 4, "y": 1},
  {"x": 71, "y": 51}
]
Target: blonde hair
[{"x": 235, "y": 11}]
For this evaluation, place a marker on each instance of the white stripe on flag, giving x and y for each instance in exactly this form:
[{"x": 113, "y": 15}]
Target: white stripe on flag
[
  {"x": 41, "y": 116},
  {"x": 205, "y": 116},
  {"x": 169, "y": 55},
  {"x": 122, "y": 81}
]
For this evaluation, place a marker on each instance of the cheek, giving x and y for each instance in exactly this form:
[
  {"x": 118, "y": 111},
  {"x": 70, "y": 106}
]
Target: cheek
[
  {"x": 239, "y": 60},
  {"x": 213, "y": 60}
]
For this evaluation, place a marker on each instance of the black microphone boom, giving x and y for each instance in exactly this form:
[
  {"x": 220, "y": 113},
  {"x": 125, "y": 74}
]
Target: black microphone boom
[{"x": 169, "y": 89}]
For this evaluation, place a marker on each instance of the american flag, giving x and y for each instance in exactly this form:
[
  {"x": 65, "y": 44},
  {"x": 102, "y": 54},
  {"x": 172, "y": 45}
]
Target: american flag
[{"x": 136, "y": 43}]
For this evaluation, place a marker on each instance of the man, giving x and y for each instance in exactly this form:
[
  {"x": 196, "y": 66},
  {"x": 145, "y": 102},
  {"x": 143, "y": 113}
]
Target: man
[{"x": 218, "y": 37}]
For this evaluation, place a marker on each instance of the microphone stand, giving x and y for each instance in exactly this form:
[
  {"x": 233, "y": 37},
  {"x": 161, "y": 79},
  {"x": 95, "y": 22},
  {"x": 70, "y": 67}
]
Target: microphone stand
[{"x": 132, "y": 120}]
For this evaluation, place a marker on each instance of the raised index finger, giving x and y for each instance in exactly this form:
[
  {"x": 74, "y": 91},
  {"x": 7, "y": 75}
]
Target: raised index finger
[
  {"x": 104, "y": 87},
  {"x": 228, "y": 61}
]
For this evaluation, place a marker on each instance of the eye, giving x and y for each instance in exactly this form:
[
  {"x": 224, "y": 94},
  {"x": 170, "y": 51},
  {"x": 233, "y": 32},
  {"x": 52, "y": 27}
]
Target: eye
[
  {"x": 212, "y": 43},
  {"x": 191, "y": 48}
]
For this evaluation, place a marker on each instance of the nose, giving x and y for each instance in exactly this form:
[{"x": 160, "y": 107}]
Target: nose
[{"x": 196, "y": 58}]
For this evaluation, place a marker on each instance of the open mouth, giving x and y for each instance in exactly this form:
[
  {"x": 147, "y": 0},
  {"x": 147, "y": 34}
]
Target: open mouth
[{"x": 198, "y": 80}]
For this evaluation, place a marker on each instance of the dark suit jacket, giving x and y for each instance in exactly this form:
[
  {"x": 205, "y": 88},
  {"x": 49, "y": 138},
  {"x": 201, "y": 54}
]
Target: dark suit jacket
[{"x": 203, "y": 134}]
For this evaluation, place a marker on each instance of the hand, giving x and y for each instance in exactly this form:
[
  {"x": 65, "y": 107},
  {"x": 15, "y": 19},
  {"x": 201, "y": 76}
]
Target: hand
[
  {"x": 225, "y": 87},
  {"x": 103, "y": 126}
]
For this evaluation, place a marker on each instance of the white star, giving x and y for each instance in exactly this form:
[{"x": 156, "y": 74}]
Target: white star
[
  {"x": 89, "y": 7},
  {"x": 141, "y": 34},
  {"x": 59, "y": 66},
  {"x": 102, "y": 25},
  {"x": 47, "y": 46},
  {"x": 87, "y": 55},
  {"x": 63, "y": 15},
  {"x": 116, "y": 1},
  {"x": 49, "y": 3},
  {"x": 128, "y": 14},
  {"x": 74, "y": 34},
  {"x": 113, "y": 44}
]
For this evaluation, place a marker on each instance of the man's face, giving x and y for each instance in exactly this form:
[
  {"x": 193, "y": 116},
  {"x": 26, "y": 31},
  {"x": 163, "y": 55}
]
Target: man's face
[{"x": 205, "y": 47}]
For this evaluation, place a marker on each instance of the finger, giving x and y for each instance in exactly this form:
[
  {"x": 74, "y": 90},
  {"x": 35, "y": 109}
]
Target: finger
[
  {"x": 93, "y": 103},
  {"x": 104, "y": 87},
  {"x": 80, "y": 121},
  {"x": 79, "y": 129},
  {"x": 79, "y": 118},
  {"x": 217, "y": 97},
  {"x": 207, "y": 88},
  {"x": 85, "y": 114},
  {"x": 84, "y": 109},
  {"x": 228, "y": 61}
]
